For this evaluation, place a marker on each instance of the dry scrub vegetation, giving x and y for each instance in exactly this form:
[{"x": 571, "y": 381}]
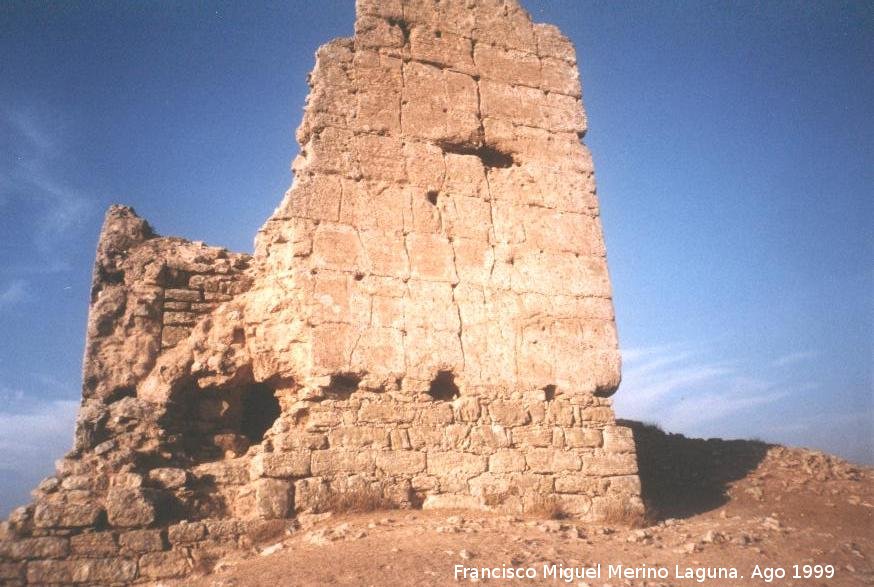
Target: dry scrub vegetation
[{"x": 354, "y": 501}]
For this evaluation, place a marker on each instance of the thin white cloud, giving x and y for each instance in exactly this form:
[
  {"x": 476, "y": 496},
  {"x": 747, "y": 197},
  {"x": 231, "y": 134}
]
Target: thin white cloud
[
  {"x": 63, "y": 208},
  {"x": 47, "y": 267},
  {"x": 36, "y": 435},
  {"x": 28, "y": 126},
  {"x": 32, "y": 151},
  {"x": 12, "y": 293},
  {"x": 686, "y": 391},
  {"x": 709, "y": 407},
  {"x": 793, "y": 358}
]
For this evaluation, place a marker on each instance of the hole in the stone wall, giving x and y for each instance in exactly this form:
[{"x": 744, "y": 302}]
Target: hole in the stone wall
[
  {"x": 494, "y": 158},
  {"x": 259, "y": 410},
  {"x": 239, "y": 336},
  {"x": 121, "y": 393},
  {"x": 432, "y": 196},
  {"x": 359, "y": 276},
  {"x": 443, "y": 387},
  {"x": 549, "y": 392},
  {"x": 438, "y": 34},
  {"x": 343, "y": 385},
  {"x": 490, "y": 156},
  {"x": 403, "y": 25}
]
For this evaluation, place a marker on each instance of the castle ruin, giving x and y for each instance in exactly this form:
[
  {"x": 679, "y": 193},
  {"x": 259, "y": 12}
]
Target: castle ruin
[{"x": 427, "y": 315}]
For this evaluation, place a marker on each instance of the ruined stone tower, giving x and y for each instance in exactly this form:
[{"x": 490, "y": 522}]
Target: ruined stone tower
[{"x": 427, "y": 315}]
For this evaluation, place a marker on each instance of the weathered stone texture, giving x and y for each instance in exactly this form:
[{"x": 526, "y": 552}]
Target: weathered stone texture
[{"x": 427, "y": 315}]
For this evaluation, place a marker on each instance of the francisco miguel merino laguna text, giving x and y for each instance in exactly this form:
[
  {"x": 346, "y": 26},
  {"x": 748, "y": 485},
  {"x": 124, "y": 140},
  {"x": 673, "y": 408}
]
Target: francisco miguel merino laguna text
[{"x": 569, "y": 574}]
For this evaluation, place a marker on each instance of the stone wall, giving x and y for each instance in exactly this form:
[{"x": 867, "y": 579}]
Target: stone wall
[
  {"x": 443, "y": 215},
  {"x": 427, "y": 317}
]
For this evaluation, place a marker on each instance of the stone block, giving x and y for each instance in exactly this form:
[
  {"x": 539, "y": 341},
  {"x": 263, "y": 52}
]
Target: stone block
[
  {"x": 385, "y": 412},
  {"x": 127, "y": 508},
  {"x": 618, "y": 439},
  {"x": 551, "y": 43},
  {"x": 66, "y": 515},
  {"x": 274, "y": 498},
  {"x": 185, "y": 533},
  {"x": 12, "y": 572},
  {"x": 94, "y": 544},
  {"x": 399, "y": 440},
  {"x": 507, "y": 65},
  {"x": 301, "y": 440},
  {"x": 527, "y": 436},
  {"x": 597, "y": 415},
  {"x": 52, "y": 571},
  {"x": 507, "y": 461},
  {"x": 359, "y": 437},
  {"x": 400, "y": 462},
  {"x": 338, "y": 247},
  {"x": 609, "y": 465},
  {"x": 168, "y": 477},
  {"x": 489, "y": 436},
  {"x": 379, "y": 81},
  {"x": 139, "y": 541},
  {"x": 509, "y": 413},
  {"x": 431, "y": 258},
  {"x": 35, "y": 548},
  {"x": 542, "y": 460},
  {"x": 224, "y": 530},
  {"x": 309, "y": 493},
  {"x": 443, "y": 48},
  {"x": 384, "y": 252},
  {"x": 94, "y": 571},
  {"x": 628, "y": 485},
  {"x": 182, "y": 295},
  {"x": 332, "y": 461},
  {"x": 575, "y": 504},
  {"x": 452, "y": 501},
  {"x": 455, "y": 436},
  {"x": 452, "y": 463},
  {"x": 430, "y": 305},
  {"x": 474, "y": 262},
  {"x": 438, "y": 105},
  {"x": 282, "y": 464},
  {"x": 332, "y": 347},
  {"x": 429, "y": 351},
  {"x": 582, "y": 437},
  {"x": 380, "y": 157},
  {"x": 421, "y": 438},
  {"x": 164, "y": 565},
  {"x": 380, "y": 351},
  {"x": 467, "y": 409},
  {"x": 579, "y": 483},
  {"x": 560, "y": 76},
  {"x": 436, "y": 414}
]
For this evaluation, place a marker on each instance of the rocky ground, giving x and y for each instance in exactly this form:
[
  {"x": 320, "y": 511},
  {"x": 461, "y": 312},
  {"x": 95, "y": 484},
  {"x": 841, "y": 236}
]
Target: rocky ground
[{"x": 713, "y": 503}]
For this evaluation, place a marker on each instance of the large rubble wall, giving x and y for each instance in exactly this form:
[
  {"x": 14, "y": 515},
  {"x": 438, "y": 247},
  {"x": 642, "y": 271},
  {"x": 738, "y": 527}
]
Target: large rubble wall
[{"x": 427, "y": 316}]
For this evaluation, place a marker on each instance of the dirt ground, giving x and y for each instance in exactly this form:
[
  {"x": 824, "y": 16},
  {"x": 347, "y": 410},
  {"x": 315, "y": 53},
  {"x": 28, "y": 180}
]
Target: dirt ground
[{"x": 713, "y": 504}]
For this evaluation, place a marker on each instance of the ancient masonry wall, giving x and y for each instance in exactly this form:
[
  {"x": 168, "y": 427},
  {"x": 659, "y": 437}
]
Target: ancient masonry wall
[{"x": 427, "y": 316}]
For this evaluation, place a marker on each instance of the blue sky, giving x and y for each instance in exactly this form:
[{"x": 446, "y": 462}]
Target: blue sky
[{"x": 733, "y": 149}]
